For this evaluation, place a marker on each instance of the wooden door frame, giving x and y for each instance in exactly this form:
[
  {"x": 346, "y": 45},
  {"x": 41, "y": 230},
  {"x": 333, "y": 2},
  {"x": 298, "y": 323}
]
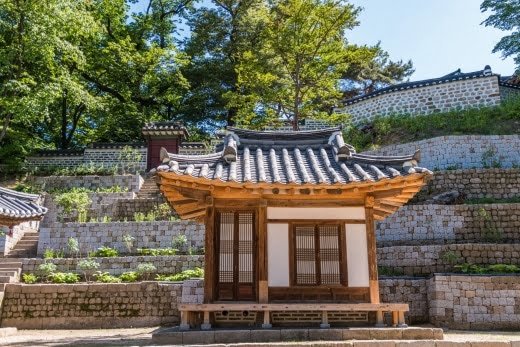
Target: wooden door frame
[{"x": 216, "y": 237}]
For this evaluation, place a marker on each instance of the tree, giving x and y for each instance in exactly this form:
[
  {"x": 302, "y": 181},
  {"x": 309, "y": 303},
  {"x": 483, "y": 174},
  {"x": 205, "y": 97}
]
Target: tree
[
  {"x": 505, "y": 17},
  {"x": 375, "y": 73},
  {"x": 296, "y": 74},
  {"x": 220, "y": 34}
]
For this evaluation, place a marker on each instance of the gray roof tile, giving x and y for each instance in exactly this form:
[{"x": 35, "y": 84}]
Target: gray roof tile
[{"x": 16, "y": 205}]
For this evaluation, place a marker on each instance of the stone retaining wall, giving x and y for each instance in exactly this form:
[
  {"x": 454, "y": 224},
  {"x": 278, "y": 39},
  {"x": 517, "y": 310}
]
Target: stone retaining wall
[
  {"x": 407, "y": 290},
  {"x": 428, "y": 259},
  {"x": 474, "y": 183},
  {"x": 439, "y": 224},
  {"x": 475, "y": 302},
  {"x": 117, "y": 265},
  {"x": 132, "y": 182},
  {"x": 74, "y": 306},
  {"x": 439, "y": 97},
  {"x": 94, "y": 235},
  {"x": 461, "y": 152}
]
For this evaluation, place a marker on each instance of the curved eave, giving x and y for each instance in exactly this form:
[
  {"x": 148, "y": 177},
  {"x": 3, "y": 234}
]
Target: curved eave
[
  {"x": 12, "y": 221},
  {"x": 188, "y": 194}
]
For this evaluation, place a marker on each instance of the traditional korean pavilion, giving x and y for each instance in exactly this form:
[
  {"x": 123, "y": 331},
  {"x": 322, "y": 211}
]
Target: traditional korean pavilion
[
  {"x": 16, "y": 207},
  {"x": 289, "y": 225}
]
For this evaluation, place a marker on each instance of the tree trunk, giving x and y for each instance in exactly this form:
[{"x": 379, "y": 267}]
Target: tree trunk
[
  {"x": 63, "y": 134},
  {"x": 7, "y": 120}
]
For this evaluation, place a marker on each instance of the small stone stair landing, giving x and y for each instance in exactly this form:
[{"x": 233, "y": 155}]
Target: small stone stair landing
[{"x": 26, "y": 247}]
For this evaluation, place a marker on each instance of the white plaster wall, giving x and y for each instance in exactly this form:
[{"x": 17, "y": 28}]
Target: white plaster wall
[
  {"x": 353, "y": 212},
  {"x": 357, "y": 255},
  {"x": 278, "y": 254}
]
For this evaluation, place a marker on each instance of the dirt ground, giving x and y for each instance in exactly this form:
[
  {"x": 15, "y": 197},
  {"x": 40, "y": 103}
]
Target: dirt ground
[{"x": 142, "y": 337}]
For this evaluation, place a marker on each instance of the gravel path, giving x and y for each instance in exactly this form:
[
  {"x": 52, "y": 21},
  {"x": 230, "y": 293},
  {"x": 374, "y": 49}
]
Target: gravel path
[{"x": 142, "y": 337}]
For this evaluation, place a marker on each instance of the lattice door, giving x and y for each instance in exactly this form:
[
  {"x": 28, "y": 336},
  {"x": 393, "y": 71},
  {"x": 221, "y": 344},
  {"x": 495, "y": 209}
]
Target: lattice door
[
  {"x": 317, "y": 254},
  {"x": 236, "y": 256}
]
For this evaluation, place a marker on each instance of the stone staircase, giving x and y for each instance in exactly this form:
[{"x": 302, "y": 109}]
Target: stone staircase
[
  {"x": 149, "y": 189},
  {"x": 10, "y": 270},
  {"x": 26, "y": 247}
]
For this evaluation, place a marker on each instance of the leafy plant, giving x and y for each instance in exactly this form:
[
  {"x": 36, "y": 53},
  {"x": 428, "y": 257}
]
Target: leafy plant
[
  {"x": 105, "y": 251},
  {"x": 88, "y": 266},
  {"x": 181, "y": 276},
  {"x": 139, "y": 216},
  {"x": 106, "y": 219},
  {"x": 47, "y": 269},
  {"x": 491, "y": 232},
  {"x": 64, "y": 277},
  {"x": 469, "y": 268},
  {"x": 145, "y": 270},
  {"x": 29, "y": 278},
  {"x": 130, "y": 276},
  {"x": 75, "y": 199},
  {"x": 73, "y": 246},
  {"x": 49, "y": 253},
  {"x": 450, "y": 257},
  {"x": 106, "y": 277},
  {"x": 129, "y": 242},
  {"x": 489, "y": 158},
  {"x": 389, "y": 271},
  {"x": 156, "y": 251},
  {"x": 129, "y": 159},
  {"x": 180, "y": 242}
]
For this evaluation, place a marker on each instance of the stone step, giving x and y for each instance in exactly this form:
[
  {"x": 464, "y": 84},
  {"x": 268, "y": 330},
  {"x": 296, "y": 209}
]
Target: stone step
[
  {"x": 7, "y": 263},
  {"x": 7, "y": 279},
  {"x": 26, "y": 243},
  {"x": 10, "y": 272}
]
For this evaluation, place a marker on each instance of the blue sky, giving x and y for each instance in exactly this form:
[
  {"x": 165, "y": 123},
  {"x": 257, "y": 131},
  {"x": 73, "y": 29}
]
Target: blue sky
[{"x": 439, "y": 36}]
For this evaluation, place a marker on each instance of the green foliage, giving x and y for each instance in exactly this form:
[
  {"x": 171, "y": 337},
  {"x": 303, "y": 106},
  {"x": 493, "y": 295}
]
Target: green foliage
[
  {"x": 88, "y": 266},
  {"x": 49, "y": 253},
  {"x": 180, "y": 242},
  {"x": 491, "y": 232},
  {"x": 129, "y": 159},
  {"x": 74, "y": 200},
  {"x": 47, "y": 268},
  {"x": 504, "y": 16},
  {"x": 389, "y": 271},
  {"x": 489, "y": 158},
  {"x": 25, "y": 187},
  {"x": 450, "y": 257},
  {"x": 181, "y": 276},
  {"x": 73, "y": 246},
  {"x": 139, "y": 217},
  {"x": 129, "y": 242},
  {"x": 479, "y": 201},
  {"x": 469, "y": 268},
  {"x": 64, "y": 277},
  {"x": 157, "y": 251},
  {"x": 145, "y": 270},
  {"x": 500, "y": 120},
  {"x": 80, "y": 170},
  {"x": 105, "y": 277},
  {"x": 129, "y": 276},
  {"x": 29, "y": 278},
  {"x": 104, "y": 252}
]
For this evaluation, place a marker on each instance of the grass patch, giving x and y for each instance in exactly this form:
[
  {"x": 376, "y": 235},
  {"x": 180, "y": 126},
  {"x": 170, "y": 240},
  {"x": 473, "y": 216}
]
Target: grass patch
[
  {"x": 477, "y": 201},
  {"x": 500, "y": 120}
]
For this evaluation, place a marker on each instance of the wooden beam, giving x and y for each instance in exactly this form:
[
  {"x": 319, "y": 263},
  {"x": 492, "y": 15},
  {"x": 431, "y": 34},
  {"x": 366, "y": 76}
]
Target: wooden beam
[
  {"x": 209, "y": 255},
  {"x": 231, "y": 306},
  {"x": 263, "y": 295},
  {"x": 193, "y": 214},
  {"x": 372, "y": 250}
]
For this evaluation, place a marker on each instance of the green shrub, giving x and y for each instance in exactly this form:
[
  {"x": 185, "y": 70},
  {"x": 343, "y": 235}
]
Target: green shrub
[
  {"x": 64, "y": 277},
  {"x": 157, "y": 251},
  {"x": 129, "y": 242},
  {"x": 389, "y": 271},
  {"x": 76, "y": 199},
  {"x": 105, "y": 252},
  {"x": 145, "y": 270},
  {"x": 29, "y": 278},
  {"x": 47, "y": 268},
  {"x": 88, "y": 266},
  {"x": 180, "y": 242},
  {"x": 181, "y": 276},
  {"x": 130, "y": 276},
  {"x": 106, "y": 277},
  {"x": 49, "y": 253},
  {"x": 73, "y": 246},
  {"x": 139, "y": 216},
  {"x": 503, "y": 268}
]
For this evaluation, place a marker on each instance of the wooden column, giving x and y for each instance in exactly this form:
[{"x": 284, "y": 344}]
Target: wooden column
[
  {"x": 209, "y": 248},
  {"x": 263, "y": 290},
  {"x": 372, "y": 251}
]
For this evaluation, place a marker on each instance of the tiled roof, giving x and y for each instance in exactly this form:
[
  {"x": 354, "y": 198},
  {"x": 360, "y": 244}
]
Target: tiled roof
[
  {"x": 16, "y": 205},
  {"x": 302, "y": 157},
  {"x": 510, "y": 81},
  {"x": 164, "y": 128},
  {"x": 456, "y": 75},
  {"x": 114, "y": 145},
  {"x": 59, "y": 153}
]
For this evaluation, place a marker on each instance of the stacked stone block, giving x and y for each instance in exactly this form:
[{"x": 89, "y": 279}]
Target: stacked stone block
[
  {"x": 442, "y": 97},
  {"x": 91, "y": 236},
  {"x": 427, "y": 259},
  {"x": 439, "y": 224},
  {"x": 461, "y": 152},
  {"x": 407, "y": 290},
  {"x": 475, "y": 302},
  {"x": 92, "y": 305},
  {"x": 170, "y": 264},
  {"x": 193, "y": 291},
  {"x": 474, "y": 183},
  {"x": 131, "y": 182}
]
